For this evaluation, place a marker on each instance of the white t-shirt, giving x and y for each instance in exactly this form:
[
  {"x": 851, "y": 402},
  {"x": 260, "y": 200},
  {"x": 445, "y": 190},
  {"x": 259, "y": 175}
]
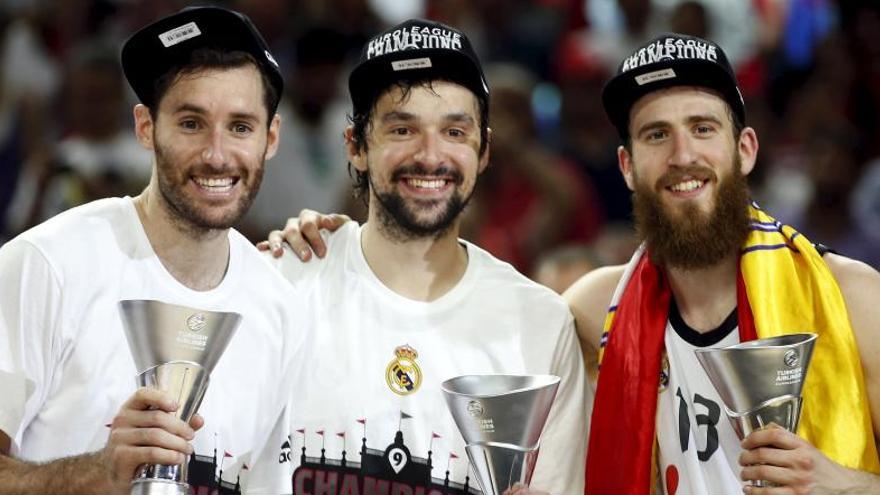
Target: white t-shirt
[
  {"x": 699, "y": 450},
  {"x": 65, "y": 364},
  {"x": 372, "y": 388}
]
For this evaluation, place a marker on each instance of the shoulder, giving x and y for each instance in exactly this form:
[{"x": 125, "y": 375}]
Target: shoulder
[
  {"x": 860, "y": 286},
  {"x": 301, "y": 272},
  {"x": 589, "y": 298}
]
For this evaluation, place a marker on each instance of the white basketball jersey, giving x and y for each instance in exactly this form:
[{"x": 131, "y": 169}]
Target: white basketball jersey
[{"x": 698, "y": 448}]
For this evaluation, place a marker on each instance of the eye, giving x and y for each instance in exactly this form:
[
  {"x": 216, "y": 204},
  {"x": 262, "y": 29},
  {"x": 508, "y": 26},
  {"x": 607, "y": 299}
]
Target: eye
[
  {"x": 456, "y": 132},
  {"x": 704, "y": 129},
  {"x": 241, "y": 128},
  {"x": 656, "y": 135},
  {"x": 400, "y": 131},
  {"x": 189, "y": 124}
]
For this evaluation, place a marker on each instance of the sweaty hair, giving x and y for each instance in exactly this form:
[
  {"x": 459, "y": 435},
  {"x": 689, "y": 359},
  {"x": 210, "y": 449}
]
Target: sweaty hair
[
  {"x": 361, "y": 123},
  {"x": 210, "y": 58}
]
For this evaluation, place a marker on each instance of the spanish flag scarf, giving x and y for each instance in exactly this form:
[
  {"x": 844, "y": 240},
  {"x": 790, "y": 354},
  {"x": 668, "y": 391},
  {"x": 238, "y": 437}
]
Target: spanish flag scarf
[{"x": 784, "y": 286}]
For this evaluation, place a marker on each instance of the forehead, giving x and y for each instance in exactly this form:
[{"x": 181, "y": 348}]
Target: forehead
[
  {"x": 427, "y": 100},
  {"x": 677, "y": 102},
  {"x": 236, "y": 89}
]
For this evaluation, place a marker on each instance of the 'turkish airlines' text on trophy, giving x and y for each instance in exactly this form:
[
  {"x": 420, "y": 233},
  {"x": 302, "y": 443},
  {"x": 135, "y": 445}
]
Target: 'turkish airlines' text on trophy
[
  {"x": 501, "y": 418},
  {"x": 175, "y": 348},
  {"x": 760, "y": 381}
]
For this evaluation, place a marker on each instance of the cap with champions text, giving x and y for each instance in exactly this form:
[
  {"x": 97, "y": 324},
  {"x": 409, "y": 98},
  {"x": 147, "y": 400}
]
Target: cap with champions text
[
  {"x": 170, "y": 41},
  {"x": 666, "y": 61},
  {"x": 415, "y": 49}
]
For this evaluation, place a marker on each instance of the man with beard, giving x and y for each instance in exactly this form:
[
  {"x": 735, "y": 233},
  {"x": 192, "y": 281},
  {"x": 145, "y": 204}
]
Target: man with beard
[
  {"x": 714, "y": 270},
  {"x": 403, "y": 304},
  {"x": 209, "y": 90}
]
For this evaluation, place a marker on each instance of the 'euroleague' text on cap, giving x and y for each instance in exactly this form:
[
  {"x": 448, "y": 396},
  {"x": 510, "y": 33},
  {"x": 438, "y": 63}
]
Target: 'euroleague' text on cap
[
  {"x": 666, "y": 61},
  {"x": 415, "y": 49}
]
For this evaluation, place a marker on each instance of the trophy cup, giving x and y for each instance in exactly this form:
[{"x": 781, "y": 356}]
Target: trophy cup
[
  {"x": 760, "y": 381},
  {"x": 501, "y": 418},
  {"x": 175, "y": 348}
]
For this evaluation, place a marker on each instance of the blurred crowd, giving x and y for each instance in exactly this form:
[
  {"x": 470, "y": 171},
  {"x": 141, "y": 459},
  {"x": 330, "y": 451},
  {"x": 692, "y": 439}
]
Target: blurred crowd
[{"x": 552, "y": 202}]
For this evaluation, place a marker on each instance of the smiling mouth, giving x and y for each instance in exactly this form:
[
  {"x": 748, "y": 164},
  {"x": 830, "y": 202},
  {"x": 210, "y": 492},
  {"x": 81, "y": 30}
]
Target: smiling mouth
[
  {"x": 426, "y": 184},
  {"x": 687, "y": 185},
  {"x": 215, "y": 184}
]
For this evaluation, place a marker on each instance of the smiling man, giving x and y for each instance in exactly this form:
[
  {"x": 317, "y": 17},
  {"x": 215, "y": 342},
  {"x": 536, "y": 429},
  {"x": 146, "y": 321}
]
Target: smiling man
[
  {"x": 715, "y": 270},
  {"x": 404, "y": 304},
  {"x": 71, "y": 420}
]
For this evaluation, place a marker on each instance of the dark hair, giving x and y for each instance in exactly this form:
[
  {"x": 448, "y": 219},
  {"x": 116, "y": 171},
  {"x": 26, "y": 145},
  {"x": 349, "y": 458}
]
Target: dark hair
[
  {"x": 738, "y": 126},
  {"x": 361, "y": 121},
  {"x": 210, "y": 58}
]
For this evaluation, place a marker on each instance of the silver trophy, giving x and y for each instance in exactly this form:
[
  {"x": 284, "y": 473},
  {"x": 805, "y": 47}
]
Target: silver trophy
[
  {"x": 501, "y": 418},
  {"x": 175, "y": 348},
  {"x": 760, "y": 381}
]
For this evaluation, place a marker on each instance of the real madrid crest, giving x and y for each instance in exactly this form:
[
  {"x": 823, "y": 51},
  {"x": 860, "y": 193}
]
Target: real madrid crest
[{"x": 403, "y": 374}]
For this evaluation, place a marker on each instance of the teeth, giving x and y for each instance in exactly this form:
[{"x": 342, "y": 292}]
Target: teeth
[
  {"x": 426, "y": 184},
  {"x": 214, "y": 183},
  {"x": 687, "y": 186}
]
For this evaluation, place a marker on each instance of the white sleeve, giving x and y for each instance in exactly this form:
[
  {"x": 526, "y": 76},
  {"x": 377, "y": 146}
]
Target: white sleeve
[
  {"x": 30, "y": 307},
  {"x": 561, "y": 461}
]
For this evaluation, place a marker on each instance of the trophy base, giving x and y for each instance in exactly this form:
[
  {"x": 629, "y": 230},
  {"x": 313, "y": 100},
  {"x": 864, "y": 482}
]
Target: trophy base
[
  {"x": 500, "y": 466},
  {"x": 159, "y": 487}
]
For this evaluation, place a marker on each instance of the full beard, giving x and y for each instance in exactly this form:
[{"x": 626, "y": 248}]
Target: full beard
[
  {"x": 692, "y": 239},
  {"x": 185, "y": 213},
  {"x": 399, "y": 218}
]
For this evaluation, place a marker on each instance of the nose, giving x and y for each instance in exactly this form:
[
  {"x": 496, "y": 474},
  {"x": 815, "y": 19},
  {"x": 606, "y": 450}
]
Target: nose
[
  {"x": 429, "y": 153},
  {"x": 682, "y": 150},
  {"x": 214, "y": 152}
]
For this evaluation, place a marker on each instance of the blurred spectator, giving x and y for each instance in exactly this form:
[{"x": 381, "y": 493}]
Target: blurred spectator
[
  {"x": 560, "y": 267},
  {"x": 310, "y": 168},
  {"x": 98, "y": 155},
  {"x": 529, "y": 199}
]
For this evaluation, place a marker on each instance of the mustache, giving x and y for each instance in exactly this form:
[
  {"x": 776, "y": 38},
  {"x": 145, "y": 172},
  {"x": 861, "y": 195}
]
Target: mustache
[
  {"x": 420, "y": 170},
  {"x": 678, "y": 173}
]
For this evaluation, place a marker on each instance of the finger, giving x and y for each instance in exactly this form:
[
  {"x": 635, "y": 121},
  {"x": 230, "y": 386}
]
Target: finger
[
  {"x": 774, "y": 474},
  {"x": 151, "y": 437},
  {"x": 276, "y": 238},
  {"x": 766, "y": 490},
  {"x": 155, "y": 418},
  {"x": 771, "y": 436},
  {"x": 197, "y": 422},
  {"x": 334, "y": 221},
  {"x": 309, "y": 226},
  {"x": 263, "y": 246},
  {"x": 766, "y": 455},
  {"x": 150, "y": 398},
  {"x": 138, "y": 455}
]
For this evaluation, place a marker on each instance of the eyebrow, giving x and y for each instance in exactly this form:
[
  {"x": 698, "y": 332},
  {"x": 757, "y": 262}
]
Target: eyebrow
[
  {"x": 189, "y": 107},
  {"x": 692, "y": 119},
  {"x": 401, "y": 116}
]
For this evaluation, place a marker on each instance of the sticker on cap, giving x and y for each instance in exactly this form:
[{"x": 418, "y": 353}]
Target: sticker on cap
[
  {"x": 657, "y": 75},
  {"x": 412, "y": 63},
  {"x": 179, "y": 34}
]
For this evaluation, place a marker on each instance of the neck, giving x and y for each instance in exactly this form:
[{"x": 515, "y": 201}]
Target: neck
[
  {"x": 196, "y": 258},
  {"x": 705, "y": 297},
  {"x": 422, "y": 269}
]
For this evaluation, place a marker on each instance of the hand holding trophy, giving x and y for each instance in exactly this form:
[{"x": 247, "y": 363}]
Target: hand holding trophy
[
  {"x": 175, "y": 348},
  {"x": 760, "y": 381}
]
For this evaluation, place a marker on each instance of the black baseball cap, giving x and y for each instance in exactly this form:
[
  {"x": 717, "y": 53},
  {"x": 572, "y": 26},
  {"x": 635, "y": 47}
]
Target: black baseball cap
[
  {"x": 170, "y": 41},
  {"x": 415, "y": 49},
  {"x": 666, "y": 61}
]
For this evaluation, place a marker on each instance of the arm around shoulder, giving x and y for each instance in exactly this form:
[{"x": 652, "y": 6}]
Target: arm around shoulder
[{"x": 589, "y": 299}]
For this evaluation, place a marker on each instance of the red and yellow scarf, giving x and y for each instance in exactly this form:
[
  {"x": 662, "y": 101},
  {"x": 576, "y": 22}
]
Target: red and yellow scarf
[{"x": 784, "y": 287}]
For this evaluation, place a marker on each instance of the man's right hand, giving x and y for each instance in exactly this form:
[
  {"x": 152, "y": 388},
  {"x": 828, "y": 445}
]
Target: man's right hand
[
  {"x": 303, "y": 234},
  {"x": 145, "y": 431}
]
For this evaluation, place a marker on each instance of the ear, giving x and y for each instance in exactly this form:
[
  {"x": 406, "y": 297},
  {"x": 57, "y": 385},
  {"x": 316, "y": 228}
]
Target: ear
[
  {"x": 747, "y": 147},
  {"x": 624, "y": 161},
  {"x": 272, "y": 136},
  {"x": 356, "y": 157},
  {"x": 143, "y": 125},
  {"x": 484, "y": 159}
]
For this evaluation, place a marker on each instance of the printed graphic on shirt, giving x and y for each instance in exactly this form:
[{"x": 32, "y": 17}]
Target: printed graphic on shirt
[
  {"x": 206, "y": 472},
  {"x": 394, "y": 470},
  {"x": 403, "y": 374}
]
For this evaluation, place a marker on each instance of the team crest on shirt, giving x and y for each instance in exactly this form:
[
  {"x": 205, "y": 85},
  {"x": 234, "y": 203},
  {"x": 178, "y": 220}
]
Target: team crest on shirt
[
  {"x": 403, "y": 374},
  {"x": 664, "y": 373}
]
